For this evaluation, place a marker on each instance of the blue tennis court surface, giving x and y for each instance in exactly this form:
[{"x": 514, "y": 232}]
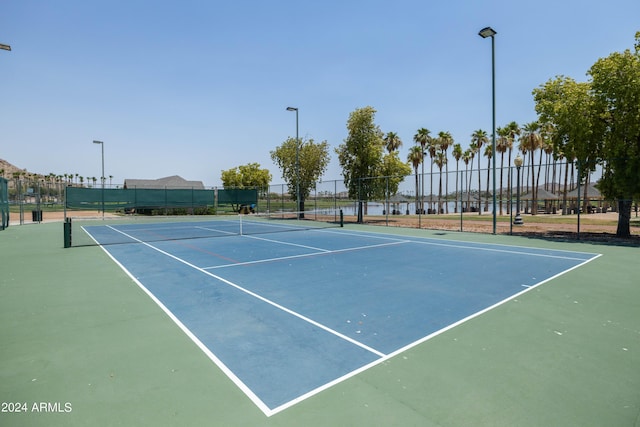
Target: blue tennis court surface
[{"x": 286, "y": 315}]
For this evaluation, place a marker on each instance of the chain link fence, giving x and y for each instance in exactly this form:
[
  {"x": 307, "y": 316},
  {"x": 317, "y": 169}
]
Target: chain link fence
[{"x": 543, "y": 198}]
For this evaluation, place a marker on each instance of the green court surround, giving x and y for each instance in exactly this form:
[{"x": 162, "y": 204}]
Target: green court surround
[{"x": 76, "y": 329}]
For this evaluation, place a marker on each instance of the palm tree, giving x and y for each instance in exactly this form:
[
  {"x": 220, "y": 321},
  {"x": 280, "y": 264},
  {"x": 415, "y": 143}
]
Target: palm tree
[
  {"x": 488, "y": 152},
  {"x": 422, "y": 137},
  {"x": 445, "y": 140},
  {"x": 502, "y": 144},
  {"x": 432, "y": 149},
  {"x": 546, "y": 147},
  {"x": 468, "y": 156},
  {"x": 531, "y": 141},
  {"x": 457, "y": 154},
  {"x": 440, "y": 160},
  {"x": 415, "y": 158},
  {"x": 392, "y": 142},
  {"x": 478, "y": 138},
  {"x": 513, "y": 130}
]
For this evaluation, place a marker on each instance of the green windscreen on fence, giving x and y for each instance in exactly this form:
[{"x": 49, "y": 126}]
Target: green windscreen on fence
[
  {"x": 136, "y": 198},
  {"x": 238, "y": 200},
  {"x": 153, "y": 198},
  {"x": 237, "y": 196},
  {"x": 4, "y": 203}
]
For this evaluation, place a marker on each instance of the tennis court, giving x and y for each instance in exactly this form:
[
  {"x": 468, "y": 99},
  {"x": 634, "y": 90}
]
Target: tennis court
[
  {"x": 287, "y": 315},
  {"x": 82, "y": 338}
]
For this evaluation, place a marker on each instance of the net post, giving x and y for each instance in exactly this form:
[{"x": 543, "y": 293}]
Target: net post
[
  {"x": 341, "y": 218},
  {"x": 67, "y": 232}
]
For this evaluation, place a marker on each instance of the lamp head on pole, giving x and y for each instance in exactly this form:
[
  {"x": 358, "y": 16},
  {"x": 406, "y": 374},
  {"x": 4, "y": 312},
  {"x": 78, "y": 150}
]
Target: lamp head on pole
[
  {"x": 487, "y": 32},
  {"x": 292, "y": 109},
  {"x": 98, "y": 142},
  {"x": 5, "y": 47},
  {"x": 518, "y": 161}
]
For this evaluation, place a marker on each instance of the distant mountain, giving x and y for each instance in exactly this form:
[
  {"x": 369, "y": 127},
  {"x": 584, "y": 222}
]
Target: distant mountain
[{"x": 8, "y": 169}]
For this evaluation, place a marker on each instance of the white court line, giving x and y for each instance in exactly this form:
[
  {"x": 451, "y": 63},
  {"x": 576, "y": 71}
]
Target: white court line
[
  {"x": 217, "y": 230},
  {"x": 424, "y": 339},
  {"x": 475, "y": 246},
  {"x": 251, "y": 395},
  {"x": 322, "y": 252},
  {"x": 285, "y": 243},
  {"x": 383, "y": 357},
  {"x": 470, "y": 244}
]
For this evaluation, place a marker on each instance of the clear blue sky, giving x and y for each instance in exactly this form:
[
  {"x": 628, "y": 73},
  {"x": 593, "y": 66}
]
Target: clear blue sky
[{"x": 194, "y": 87}]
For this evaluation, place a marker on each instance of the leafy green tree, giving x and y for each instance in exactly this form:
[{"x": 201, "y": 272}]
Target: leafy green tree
[
  {"x": 393, "y": 170},
  {"x": 568, "y": 107},
  {"x": 360, "y": 155},
  {"x": 615, "y": 87},
  {"x": 246, "y": 176},
  {"x": 313, "y": 159}
]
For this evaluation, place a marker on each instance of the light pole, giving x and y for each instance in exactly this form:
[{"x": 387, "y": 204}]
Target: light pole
[
  {"x": 518, "y": 219},
  {"x": 298, "y": 214},
  {"x": 102, "y": 177},
  {"x": 484, "y": 33}
]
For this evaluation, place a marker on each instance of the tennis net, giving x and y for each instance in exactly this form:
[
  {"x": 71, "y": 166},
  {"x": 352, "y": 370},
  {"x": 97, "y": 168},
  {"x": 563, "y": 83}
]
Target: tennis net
[{"x": 140, "y": 229}]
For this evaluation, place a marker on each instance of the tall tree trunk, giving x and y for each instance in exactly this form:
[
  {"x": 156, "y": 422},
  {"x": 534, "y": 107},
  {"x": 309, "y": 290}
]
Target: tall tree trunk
[
  {"x": 440, "y": 193},
  {"x": 501, "y": 170},
  {"x": 486, "y": 200},
  {"x": 538, "y": 182},
  {"x": 565, "y": 208},
  {"x": 431, "y": 187},
  {"x": 469, "y": 188},
  {"x": 509, "y": 182},
  {"x": 446, "y": 184},
  {"x": 624, "y": 217},
  {"x": 479, "y": 184},
  {"x": 534, "y": 201},
  {"x": 417, "y": 193},
  {"x": 585, "y": 199},
  {"x": 455, "y": 206}
]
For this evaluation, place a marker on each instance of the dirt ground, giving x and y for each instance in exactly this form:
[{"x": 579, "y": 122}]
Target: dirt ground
[
  {"x": 592, "y": 227},
  {"x": 530, "y": 224},
  {"x": 596, "y": 227},
  {"x": 58, "y": 216}
]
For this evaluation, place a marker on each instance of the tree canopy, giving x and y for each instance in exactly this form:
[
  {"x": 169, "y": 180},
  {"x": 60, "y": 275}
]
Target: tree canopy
[
  {"x": 598, "y": 123},
  {"x": 362, "y": 157},
  {"x": 616, "y": 91},
  {"x": 246, "y": 176},
  {"x": 313, "y": 159}
]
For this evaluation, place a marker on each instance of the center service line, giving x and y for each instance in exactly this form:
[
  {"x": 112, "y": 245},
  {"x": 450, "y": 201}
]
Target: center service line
[{"x": 260, "y": 297}]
